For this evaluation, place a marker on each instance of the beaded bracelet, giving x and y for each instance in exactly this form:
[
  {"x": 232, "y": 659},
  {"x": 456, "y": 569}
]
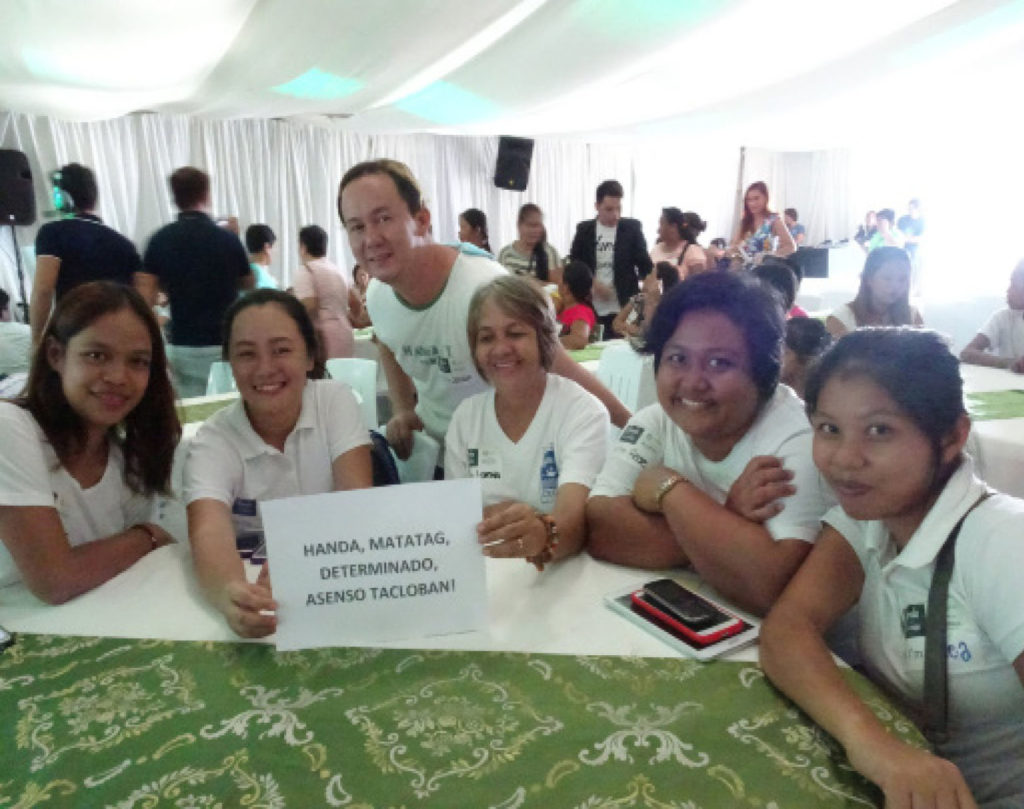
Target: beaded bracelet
[{"x": 547, "y": 553}]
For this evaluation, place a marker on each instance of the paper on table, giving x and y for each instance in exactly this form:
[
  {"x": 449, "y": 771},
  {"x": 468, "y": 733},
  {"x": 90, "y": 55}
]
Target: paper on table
[{"x": 377, "y": 564}]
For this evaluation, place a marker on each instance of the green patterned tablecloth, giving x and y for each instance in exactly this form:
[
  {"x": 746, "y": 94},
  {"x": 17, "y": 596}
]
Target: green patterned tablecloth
[
  {"x": 132, "y": 723},
  {"x": 996, "y": 404}
]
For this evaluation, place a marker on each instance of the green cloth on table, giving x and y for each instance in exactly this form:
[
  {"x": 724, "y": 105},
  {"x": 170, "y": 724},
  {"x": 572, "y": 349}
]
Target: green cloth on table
[
  {"x": 996, "y": 404},
  {"x": 591, "y": 352},
  {"x": 147, "y": 723},
  {"x": 201, "y": 411}
]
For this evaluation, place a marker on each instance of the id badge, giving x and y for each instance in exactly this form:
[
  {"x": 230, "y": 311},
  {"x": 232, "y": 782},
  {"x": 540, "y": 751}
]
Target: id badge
[
  {"x": 245, "y": 515},
  {"x": 485, "y": 463}
]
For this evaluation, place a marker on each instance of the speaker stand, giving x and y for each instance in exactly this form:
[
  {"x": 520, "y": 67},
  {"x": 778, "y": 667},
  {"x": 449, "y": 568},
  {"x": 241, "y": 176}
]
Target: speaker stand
[{"x": 21, "y": 274}]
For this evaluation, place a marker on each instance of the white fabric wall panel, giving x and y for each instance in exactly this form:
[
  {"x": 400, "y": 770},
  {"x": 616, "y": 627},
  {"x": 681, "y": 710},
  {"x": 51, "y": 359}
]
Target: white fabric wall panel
[
  {"x": 286, "y": 174},
  {"x": 816, "y": 183}
]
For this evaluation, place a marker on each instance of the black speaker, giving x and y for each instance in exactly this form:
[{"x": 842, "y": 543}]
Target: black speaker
[
  {"x": 512, "y": 169},
  {"x": 17, "y": 199},
  {"x": 812, "y": 261}
]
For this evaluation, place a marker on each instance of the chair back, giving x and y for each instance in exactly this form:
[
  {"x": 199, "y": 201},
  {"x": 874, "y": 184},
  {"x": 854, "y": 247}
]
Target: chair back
[
  {"x": 627, "y": 374},
  {"x": 422, "y": 461},
  {"x": 220, "y": 380},
  {"x": 361, "y": 376}
]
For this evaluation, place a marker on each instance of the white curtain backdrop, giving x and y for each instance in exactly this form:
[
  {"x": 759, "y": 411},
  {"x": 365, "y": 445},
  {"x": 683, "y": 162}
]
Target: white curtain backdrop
[
  {"x": 815, "y": 183},
  {"x": 286, "y": 174}
]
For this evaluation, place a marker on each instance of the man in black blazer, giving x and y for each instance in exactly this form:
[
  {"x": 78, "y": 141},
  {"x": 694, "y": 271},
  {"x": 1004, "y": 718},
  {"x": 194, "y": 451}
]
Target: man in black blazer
[{"x": 614, "y": 247}]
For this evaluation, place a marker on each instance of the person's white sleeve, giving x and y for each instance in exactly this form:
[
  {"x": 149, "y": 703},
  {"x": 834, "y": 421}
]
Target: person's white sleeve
[
  {"x": 801, "y": 514},
  {"x": 24, "y": 477},
  {"x": 456, "y": 464},
  {"x": 640, "y": 445},
  {"x": 583, "y": 439},
  {"x": 850, "y": 529},
  {"x": 844, "y": 314},
  {"x": 991, "y": 577},
  {"x": 302, "y": 283},
  {"x": 993, "y": 331},
  {"x": 213, "y": 468},
  {"x": 342, "y": 419}
]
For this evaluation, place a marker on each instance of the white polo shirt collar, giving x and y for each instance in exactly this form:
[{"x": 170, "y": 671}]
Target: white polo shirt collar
[
  {"x": 250, "y": 445},
  {"x": 958, "y": 495}
]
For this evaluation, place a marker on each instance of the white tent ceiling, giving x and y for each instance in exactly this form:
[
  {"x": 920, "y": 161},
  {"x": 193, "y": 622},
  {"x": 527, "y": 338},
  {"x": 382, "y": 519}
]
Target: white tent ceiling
[{"x": 784, "y": 72}]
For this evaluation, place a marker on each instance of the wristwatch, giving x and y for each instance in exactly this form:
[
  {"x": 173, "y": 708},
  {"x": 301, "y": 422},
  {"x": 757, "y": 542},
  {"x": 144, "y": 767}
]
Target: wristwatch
[{"x": 666, "y": 486}]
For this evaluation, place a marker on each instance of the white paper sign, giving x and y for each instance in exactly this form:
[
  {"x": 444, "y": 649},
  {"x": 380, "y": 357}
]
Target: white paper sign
[{"x": 376, "y": 564}]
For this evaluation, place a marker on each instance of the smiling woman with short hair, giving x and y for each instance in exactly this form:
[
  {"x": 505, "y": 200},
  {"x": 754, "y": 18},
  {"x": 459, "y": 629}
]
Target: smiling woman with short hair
[
  {"x": 718, "y": 473},
  {"x": 536, "y": 439}
]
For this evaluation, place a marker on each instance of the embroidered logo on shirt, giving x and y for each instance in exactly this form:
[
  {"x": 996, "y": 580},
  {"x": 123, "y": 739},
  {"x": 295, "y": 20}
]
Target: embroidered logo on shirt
[
  {"x": 631, "y": 434},
  {"x": 549, "y": 476},
  {"x": 912, "y": 621}
]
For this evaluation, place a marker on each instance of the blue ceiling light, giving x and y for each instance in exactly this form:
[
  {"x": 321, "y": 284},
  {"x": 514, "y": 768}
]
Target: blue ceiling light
[
  {"x": 318, "y": 85},
  {"x": 446, "y": 103}
]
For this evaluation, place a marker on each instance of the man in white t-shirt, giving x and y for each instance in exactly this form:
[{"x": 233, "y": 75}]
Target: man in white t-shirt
[
  {"x": 418, "y": 301},
  {"x": 614, "y": 247},
  {"x": 1000, "y": 342}
]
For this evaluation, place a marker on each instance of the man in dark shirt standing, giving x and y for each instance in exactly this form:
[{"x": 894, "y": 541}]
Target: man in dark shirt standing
[
  {"x": 613, "y": 246},
  {"x": 201, "y": 267},
  {"x": 73, "y": 251}
]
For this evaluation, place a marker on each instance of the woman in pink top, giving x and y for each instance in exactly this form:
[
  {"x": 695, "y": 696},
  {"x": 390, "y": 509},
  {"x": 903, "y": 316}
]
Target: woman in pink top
[
  {"x": 318, "y": 283},
  {"x": 577, "y": 317}
]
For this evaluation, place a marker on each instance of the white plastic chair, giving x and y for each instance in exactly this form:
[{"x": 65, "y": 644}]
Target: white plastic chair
[
  {"x": 628, "y": 374},
  {"x": 361, "y": 376},
  {"x": 220, "y": 380},
  {"x": 422, "y": 461}
]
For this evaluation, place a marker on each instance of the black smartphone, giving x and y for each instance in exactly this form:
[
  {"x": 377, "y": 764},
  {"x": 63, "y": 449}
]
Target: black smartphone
[
  {"x": 686, "y": 606},
  {"x": 248, "y": 542}
]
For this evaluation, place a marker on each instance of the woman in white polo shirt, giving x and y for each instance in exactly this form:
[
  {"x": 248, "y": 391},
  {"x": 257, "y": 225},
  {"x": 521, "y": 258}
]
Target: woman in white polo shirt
[
  {"x": 535, "y": 440},
  {"x": 889, "y": 428},
  {"x": 290, "y": 433}
]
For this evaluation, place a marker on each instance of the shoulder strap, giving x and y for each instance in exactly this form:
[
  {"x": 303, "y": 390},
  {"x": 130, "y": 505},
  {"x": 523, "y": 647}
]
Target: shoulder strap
[
  {"x": 682, "y": 255},
  {"x": 936, "y": 680}
]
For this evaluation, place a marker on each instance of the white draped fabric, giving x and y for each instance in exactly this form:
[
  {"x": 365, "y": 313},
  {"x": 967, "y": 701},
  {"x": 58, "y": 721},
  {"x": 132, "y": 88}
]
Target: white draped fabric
[
  {"x": 286, "y": 175},
  {"x": 815, "y": 183}
]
